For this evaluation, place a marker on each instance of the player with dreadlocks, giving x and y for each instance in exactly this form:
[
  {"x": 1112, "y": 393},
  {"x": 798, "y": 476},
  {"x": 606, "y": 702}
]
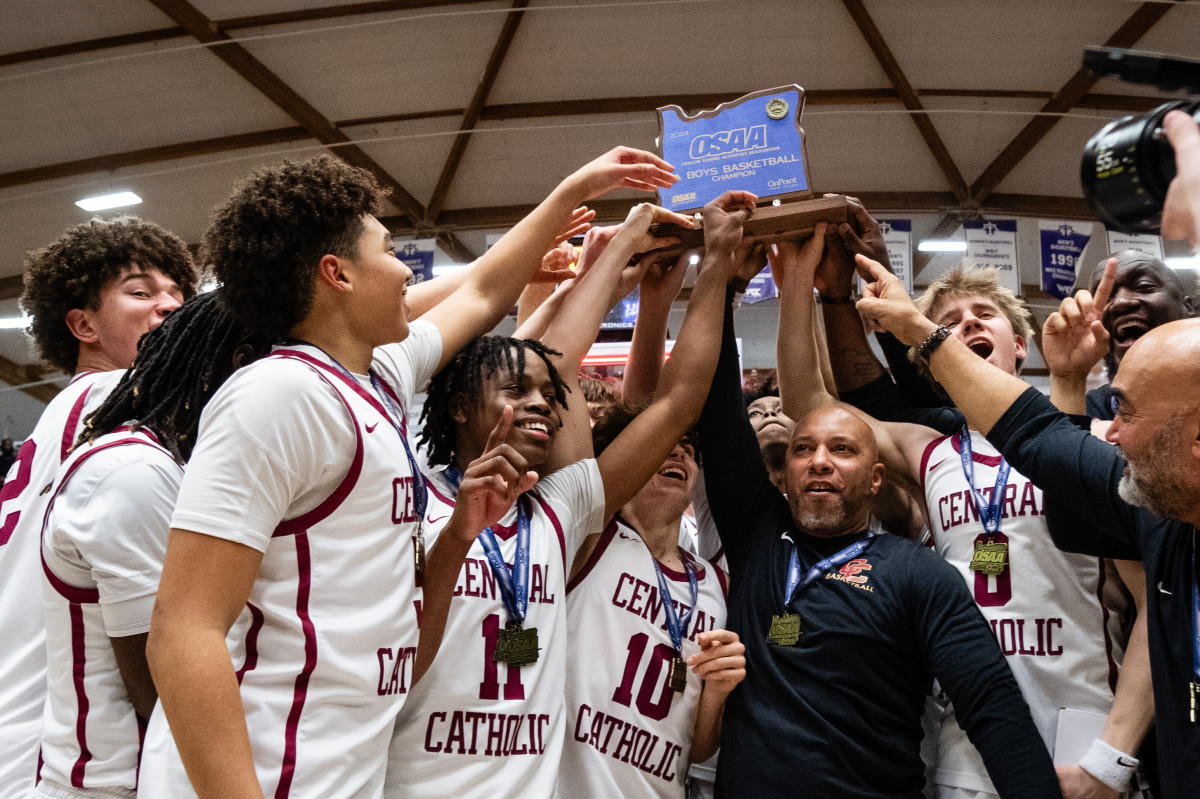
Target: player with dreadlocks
[
  {"x": 104, "y": 540},
  {"x": 91, "y": 294},
  {"x": 491, "y": 710},
  {"x": 286, "y": 622}
]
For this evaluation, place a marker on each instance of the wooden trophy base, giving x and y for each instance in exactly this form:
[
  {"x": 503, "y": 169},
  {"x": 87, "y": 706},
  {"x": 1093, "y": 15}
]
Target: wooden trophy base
[{"x": 793, "y": 221}]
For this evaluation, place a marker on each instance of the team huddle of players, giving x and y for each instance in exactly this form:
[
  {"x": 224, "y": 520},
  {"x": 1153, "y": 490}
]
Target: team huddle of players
[{"x": 259, "y": 575}]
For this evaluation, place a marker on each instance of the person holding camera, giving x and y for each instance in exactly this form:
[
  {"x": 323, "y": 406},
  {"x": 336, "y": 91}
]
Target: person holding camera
[{"x": 1099, "y": 500}]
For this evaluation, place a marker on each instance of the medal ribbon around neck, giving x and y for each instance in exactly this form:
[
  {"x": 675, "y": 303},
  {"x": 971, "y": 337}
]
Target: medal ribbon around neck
[
  {"x": 990, "y": 511},
  {"x": 676, "y": 626},
  {"x": 394, "y": 415},
  {"x": 1195, "y": 686},
  {"x": 514, "y": 583},
  {"x": 794, "y": 583}
]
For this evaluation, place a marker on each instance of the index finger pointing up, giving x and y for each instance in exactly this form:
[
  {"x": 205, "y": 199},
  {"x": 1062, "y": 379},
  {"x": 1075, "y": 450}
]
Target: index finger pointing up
[
  {"x": 499, "y": 433},
  {"x": 1104, "y": 290}
]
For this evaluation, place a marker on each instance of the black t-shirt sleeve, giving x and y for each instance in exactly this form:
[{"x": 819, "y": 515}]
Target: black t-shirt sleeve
[
  {"x": 1097, "y": 403},
  {"x": 1078, "y": 474},
  {"x": 964, "y": 656},
  {"x": 739, "y": 490},
  {"x": 910, "y": 384},
  {"x": 881, "y": 399}
]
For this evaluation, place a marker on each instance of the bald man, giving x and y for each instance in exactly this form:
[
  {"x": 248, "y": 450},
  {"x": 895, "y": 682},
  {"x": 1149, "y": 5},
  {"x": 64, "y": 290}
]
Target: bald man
[
  {"x": 838, "y": 666},
  {"x": 1100, "y": 499}
]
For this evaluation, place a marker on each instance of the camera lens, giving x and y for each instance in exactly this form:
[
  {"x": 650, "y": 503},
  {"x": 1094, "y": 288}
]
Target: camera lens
[{"x": 1127, "y": 167}]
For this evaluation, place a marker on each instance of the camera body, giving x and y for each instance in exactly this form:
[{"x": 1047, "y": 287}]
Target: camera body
[{"x": 1128, "y": 165}]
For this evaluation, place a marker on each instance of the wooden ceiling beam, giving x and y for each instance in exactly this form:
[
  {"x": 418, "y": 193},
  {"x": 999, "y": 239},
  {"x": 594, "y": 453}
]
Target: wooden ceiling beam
[
  {"x": 225, "y": 25},
  {"x": 470, "y": 117},
  {"x": 152, "y": 155},
  {"x": 891, "y": 67},
  {"x": 90, "y": 45},
  {"x": 1071, "y": 93},
  {"x": 335, "y": 12},
  {"x": 617, "y": 105},
  {"x": 285, "y": 97},
  {"x": 11, "y": 287},
  {"x": 497, "y": 217},
  {"x": 19, "y": 374}
]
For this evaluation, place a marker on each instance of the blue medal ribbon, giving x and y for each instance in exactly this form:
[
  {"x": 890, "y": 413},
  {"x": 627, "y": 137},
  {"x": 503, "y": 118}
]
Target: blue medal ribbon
[
  {"x": 1195, "y": 687},
  {"x": 990, "y": 511},
  {"x": 514, "y": 583},
  {"x": 676, "y": 627},
  {"x": 795, "y": 584}
]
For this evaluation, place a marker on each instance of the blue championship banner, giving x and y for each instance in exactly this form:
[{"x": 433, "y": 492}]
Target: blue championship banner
[
  {"x": 752, "y": 144},
  {"x": 1062, "y": 245},
  {"x": 417, "y": 255}
]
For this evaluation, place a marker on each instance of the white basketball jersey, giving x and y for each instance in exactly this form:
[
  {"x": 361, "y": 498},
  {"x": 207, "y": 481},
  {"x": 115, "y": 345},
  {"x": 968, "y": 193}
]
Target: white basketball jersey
[
  {"x": 628, "y": 733},
  {"x": 476, "y": 727},
  {"x": 23, "y": 503},
  {"x": 102, "y": 548},
  {"x": 325, "y": 647},
  {"x": 1057, "y": 616}
]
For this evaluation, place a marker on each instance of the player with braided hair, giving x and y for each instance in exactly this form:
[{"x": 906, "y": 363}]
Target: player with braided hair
[
  {"x": 103, "y": 544},
  {"x": 286, "y": 623},
  {"x": 178, "y": 368},
  {"x": 491, "y": 709},
  {"x": 461, "y": 384},
  {"x": 92, "y": 294}
]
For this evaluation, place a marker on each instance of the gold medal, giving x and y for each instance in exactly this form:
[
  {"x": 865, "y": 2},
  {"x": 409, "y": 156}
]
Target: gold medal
[
  {"x": 516, "y": 645},
  {"x": 991, "y": 557},
  {"x": 419, "y": 554},
  {"x": 785, "y": 630},
  {"x": 678, "y": 674}
]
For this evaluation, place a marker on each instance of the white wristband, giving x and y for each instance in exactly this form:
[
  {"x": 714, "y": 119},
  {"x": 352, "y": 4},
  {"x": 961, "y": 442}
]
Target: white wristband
[{"x": 1111, "y": 766}]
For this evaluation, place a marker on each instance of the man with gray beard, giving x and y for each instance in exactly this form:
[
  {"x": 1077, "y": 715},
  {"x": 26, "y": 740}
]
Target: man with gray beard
[{"x": 1145, "y": 492}]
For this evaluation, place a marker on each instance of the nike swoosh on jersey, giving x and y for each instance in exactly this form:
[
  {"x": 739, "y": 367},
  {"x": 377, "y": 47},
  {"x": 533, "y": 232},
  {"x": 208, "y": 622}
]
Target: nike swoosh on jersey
[
  {"x": 1163, "y": 590},
  {"x": 939, "y": 463},
  {"x": 438, "y": 519},
  {"x": 371, "y": 427}
]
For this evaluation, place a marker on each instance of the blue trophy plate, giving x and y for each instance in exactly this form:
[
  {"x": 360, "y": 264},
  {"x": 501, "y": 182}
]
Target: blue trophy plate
[{"x": 753, "y": 144}]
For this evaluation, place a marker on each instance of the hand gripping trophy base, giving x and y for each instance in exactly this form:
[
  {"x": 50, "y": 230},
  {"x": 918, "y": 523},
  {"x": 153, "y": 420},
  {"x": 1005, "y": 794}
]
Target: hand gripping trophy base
[{"x": 792, "y": 221}]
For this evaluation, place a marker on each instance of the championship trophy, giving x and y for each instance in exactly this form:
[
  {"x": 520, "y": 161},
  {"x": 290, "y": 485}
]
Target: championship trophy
[{"x": 755, "y": 144}]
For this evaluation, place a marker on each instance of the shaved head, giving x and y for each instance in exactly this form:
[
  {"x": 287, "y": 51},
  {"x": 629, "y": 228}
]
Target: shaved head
[
  {"x": 833, "y": 471},
  {"x": 848, "y": 421},
  {"x": 1157, "y": 420},
  {"x": 1167, "y": 361}
]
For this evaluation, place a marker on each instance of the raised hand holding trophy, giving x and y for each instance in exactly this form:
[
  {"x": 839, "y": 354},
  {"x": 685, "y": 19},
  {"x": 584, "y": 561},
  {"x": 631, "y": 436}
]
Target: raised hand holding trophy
[{"x": 755, "y": 144}]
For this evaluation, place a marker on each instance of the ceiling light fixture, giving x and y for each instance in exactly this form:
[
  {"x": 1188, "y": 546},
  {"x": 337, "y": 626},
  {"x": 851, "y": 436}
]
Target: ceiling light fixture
[
  {"x": 942, "y": 245},
  {"x": 1183, "y": 262},
  {"x": 15, "y": 322},
  {"x": 105, "y": 201}
]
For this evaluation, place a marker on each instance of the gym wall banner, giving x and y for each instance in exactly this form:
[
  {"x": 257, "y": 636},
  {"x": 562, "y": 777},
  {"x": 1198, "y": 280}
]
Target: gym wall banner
[
  {"x": 417, "y": 255},
  {"x": 1061, "y": 245},
  {"x": 1142, "y": 242},
  {"x": 897, "y": 237},
  {"x": 993, "y": 242}
]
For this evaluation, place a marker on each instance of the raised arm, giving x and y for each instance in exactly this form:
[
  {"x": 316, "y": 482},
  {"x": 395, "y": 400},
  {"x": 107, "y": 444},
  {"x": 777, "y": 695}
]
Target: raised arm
[
  {"x": 639, "y": 451},
  {"x": 658, "y": 289},
  {"x": 801, "y": 384},
  {"x": 428, "y": 294},
  {"x": 496, "y": 282},
  {"x": 1074, "y": 340}
]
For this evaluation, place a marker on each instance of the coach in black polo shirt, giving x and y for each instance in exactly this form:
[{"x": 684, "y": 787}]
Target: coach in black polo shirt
[{"x": 835, "y": 710}]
